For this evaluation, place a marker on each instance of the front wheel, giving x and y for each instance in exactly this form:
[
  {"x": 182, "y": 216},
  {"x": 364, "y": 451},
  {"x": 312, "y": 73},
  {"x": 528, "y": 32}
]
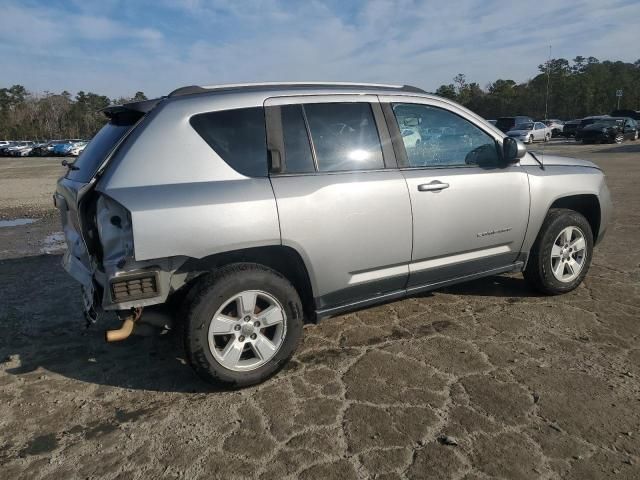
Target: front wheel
[
  {"x": 561, "y": 254},
  {"x": 243, "y": 324},
  {"x": 530, "y": 141},
  {"x": 618, "y": 138}
]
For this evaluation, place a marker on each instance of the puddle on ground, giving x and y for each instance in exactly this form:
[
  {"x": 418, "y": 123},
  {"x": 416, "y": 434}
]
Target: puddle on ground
[
  {"x": 54, "y": 243},
  {"x": 16, "y": 222}
]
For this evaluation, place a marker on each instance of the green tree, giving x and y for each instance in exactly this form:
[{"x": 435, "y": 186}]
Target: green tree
[{"x": 447, "y": 91}]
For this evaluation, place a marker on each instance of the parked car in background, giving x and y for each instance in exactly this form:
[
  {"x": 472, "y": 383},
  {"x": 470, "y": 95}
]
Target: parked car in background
[
  {"x": 61, "y": 149},
  {"x": 64, "y": 148},
  {"x": 609, "y": 130},
  {"x": 47, "y": 150},
  {"x": 492, "y": 122},
  {"x": 530, "y": 132},
  {"x": 16, "y": 150},
  {"x": 507, "y": 123},
  {"x": 555, "y": 125},
  {"x": 77, "y": 149},
  {"x": 40, "y": 150},
  {"x": 635, "y": 114},
  {"x": 472, "y": 204},
  {"x": 588, "y": 121},
  {"x": 23, "y": 151},
  {"x": 7, "y": 146},
  {"x": 569, "y": 128}
]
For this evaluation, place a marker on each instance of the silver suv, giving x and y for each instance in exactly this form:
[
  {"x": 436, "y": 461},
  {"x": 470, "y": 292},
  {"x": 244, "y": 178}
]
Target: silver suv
[{"x": 250, "y": 209}]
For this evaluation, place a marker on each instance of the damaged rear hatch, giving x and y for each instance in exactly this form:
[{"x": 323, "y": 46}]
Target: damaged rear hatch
[{"x": 77, "y": 214}]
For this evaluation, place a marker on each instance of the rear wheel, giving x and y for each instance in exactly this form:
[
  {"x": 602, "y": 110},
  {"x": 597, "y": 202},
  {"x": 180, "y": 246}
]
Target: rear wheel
[
  {"x": 618, "y": 138},
  {"x": 530, "y": 140},
  {"x": 561, "y": 254},
  {"x": 243, "y": 324},
  {"x": 635, "y": 136}
]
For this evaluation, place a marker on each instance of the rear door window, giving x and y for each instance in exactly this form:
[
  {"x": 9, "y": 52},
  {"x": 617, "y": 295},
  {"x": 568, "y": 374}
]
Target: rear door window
[
  {"x": 238, "y": 137},
  {"x": 344, "y": 136}
]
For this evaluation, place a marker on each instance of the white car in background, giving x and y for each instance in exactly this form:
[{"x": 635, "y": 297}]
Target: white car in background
[
  {"x": 556, "y": 126},
  {"x": 77, "y": 149},
  {"x": 22, "y": 149},
  {"x": 530, "y": 132}
]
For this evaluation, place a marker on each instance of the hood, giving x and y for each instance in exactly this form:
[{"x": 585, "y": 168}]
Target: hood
[{"x": 557, "y": 161}]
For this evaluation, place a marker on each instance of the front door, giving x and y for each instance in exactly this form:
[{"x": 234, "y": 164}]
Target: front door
[
  {"x": 469, "y": 215},
  {"x": 341, "y": 206}
]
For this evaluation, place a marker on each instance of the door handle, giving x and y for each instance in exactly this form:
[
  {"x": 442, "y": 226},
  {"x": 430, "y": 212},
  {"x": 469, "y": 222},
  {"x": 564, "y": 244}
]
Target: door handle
[{"x": 434, "y": 186}]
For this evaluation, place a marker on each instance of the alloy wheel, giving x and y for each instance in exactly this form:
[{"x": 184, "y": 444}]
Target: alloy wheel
[
  {"x": 568, "y": 254},
  {"x": 247, "y": 330}
]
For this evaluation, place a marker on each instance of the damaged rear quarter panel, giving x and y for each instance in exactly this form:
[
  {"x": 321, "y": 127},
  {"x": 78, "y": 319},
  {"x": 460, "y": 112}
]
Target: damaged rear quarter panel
[{"x": 184, "y": 199}]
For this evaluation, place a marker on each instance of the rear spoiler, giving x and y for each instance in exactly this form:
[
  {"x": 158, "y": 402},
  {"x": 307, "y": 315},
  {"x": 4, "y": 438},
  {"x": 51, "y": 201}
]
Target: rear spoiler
[{"x": 130, "y": 111}]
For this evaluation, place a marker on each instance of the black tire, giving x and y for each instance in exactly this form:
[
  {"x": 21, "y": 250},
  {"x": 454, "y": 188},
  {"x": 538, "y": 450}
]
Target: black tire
[
  {"x": 538, "y": 271},
  {"x": 619, "y": 138},
  {"x": 208, "y": 296}
]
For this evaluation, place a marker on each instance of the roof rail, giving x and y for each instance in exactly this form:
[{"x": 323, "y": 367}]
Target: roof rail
[{"x": 194, "y": 89}]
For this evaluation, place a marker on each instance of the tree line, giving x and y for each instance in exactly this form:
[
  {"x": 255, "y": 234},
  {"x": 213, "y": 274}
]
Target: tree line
[
  {"x": 576, "y": 88},
  {"x": 28, "y": 116}
]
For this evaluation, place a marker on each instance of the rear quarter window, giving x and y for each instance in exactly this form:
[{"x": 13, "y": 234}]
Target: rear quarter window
[{"x": 238, "y": 136}]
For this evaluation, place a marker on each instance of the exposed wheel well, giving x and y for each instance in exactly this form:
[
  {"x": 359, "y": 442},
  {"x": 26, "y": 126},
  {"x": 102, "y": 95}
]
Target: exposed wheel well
[
  {"x": 284, "y": 260},
  {"x": 587, "y": 205}
]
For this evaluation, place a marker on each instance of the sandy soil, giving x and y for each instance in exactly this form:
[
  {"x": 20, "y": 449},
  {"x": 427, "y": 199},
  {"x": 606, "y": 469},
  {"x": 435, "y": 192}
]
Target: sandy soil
[{"x": 522, "y": 386}]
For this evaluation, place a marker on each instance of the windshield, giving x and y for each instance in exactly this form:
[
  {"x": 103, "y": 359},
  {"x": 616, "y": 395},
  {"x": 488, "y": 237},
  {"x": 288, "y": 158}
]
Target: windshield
[
  {"x": 97, "y": 151},
  {"x": 523, "y": 126}
]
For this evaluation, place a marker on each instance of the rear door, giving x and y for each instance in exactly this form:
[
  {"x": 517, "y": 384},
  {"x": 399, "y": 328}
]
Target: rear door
[
  {"x": 342, "y": 203},
  {"x": 469, "y": 215}
]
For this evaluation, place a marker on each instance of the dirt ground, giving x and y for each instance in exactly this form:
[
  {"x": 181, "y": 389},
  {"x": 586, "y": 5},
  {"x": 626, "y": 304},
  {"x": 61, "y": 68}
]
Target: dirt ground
[{"x": 483, "y": 380}]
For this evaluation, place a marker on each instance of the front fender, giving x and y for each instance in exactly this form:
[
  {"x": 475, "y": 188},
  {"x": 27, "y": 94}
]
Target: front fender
[{"x": 556, "y": 182}]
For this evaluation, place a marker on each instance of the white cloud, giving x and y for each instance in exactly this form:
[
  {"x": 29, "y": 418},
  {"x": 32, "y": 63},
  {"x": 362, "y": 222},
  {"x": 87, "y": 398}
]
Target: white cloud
[{"x": 406, "y": 41}]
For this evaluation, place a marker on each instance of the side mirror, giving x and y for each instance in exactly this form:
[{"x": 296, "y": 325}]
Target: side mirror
[{"x": 512, "y": 150}]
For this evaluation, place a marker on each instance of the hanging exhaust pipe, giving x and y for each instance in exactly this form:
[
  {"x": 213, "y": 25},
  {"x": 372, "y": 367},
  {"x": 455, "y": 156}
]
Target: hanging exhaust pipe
[{"x": 128, "y": 323}]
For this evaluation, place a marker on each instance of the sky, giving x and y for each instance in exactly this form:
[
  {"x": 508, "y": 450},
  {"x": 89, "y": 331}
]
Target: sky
[{"x": 116, "y": 47}]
